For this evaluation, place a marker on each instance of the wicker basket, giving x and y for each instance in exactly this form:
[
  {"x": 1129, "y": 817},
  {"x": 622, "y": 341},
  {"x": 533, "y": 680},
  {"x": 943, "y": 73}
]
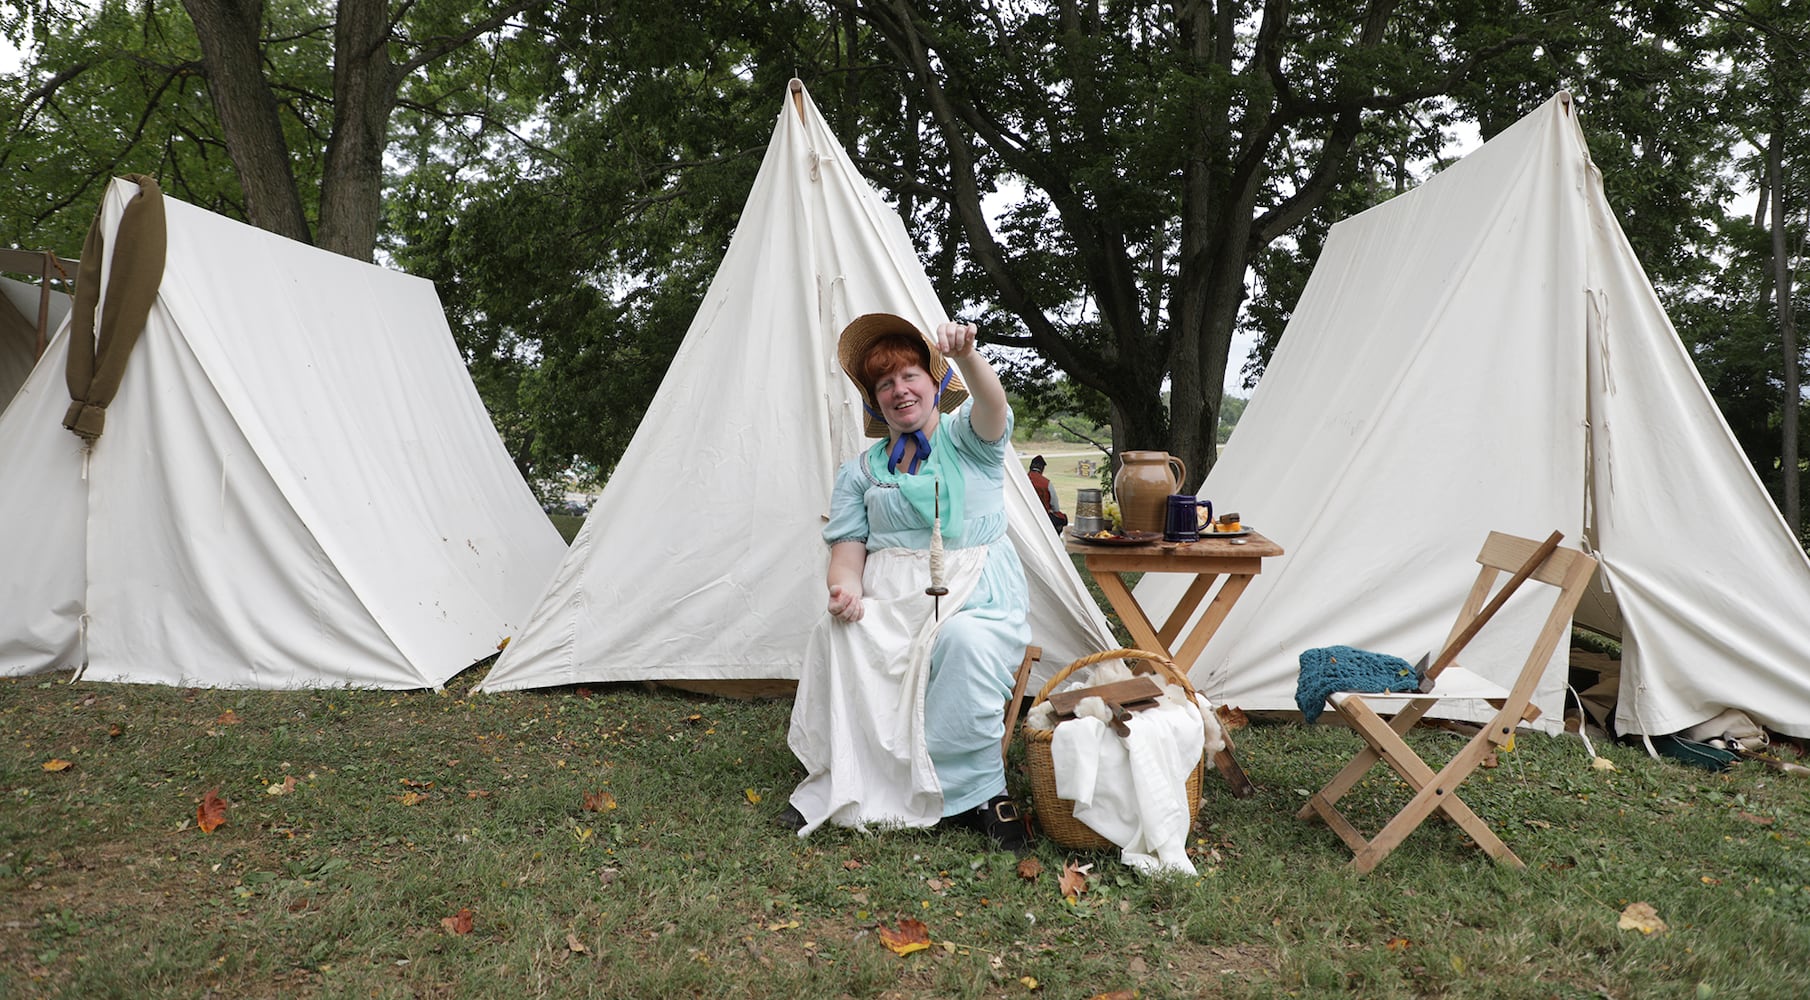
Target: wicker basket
[{"x": 1056, "y": 815}]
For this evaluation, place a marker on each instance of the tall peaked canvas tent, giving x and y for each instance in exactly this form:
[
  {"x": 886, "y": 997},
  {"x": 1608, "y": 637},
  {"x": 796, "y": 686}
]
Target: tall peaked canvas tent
[
  {"x": 703, "y": 559},
  {"x": 296, "y": 485},
  {"x": 1484, "y": 352}
]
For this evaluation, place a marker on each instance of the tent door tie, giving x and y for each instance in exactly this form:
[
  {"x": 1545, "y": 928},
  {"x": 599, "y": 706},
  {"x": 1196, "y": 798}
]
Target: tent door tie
[{"x": 81, "y": 637}]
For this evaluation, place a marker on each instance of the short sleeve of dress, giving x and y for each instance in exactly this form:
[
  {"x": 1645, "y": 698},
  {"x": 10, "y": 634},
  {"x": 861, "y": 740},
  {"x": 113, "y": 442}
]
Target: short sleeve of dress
[
  {"x": 848, "y": 504},
  {"x": 961, "y": 432}
]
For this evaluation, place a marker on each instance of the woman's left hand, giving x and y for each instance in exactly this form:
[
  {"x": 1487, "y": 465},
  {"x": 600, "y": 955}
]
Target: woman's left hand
[{"x": 956, "y": 340}]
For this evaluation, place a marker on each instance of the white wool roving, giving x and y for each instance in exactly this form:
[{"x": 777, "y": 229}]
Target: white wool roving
[
  {"x": 1109, "y": 672},
  {"x": 1093, "y": 708},
  {"x": 1042, "y": 716},
  {"x": 1209, "y": 722}
]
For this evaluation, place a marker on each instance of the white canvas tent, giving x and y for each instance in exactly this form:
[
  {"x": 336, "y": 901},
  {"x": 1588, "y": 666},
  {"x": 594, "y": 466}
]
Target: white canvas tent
[
  {"x": 703, "y": 558},
  {"x": 297, "y": 485},
  {"x": 20, "y": 304},
  {"x": 1484, "y": 352}
]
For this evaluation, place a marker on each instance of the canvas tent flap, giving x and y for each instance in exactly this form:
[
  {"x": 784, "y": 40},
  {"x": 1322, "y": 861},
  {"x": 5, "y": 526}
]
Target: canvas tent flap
[
  {"x": 297, "y": 486},
  {"x": 19, "y": 307},
  {"x": 1439, "y": 379},
  {"x": 703, "y": 559},
  {"x": 1710, "y": 621}
]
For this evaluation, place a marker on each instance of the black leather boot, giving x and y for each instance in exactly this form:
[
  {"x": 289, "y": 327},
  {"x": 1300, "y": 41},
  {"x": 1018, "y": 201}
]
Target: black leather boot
[{"x": 1001, "y": 821}]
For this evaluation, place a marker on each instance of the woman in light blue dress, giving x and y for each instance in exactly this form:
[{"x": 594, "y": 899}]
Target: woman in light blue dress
[{"x": 900, "y": 704}]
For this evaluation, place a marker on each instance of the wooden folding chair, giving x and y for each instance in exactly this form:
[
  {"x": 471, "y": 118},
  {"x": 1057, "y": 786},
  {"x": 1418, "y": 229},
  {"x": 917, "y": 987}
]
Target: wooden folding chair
[{"x": 1567, "y": 570}]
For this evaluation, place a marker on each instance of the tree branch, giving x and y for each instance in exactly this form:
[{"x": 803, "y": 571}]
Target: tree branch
[{"x": 427, "y": 52}]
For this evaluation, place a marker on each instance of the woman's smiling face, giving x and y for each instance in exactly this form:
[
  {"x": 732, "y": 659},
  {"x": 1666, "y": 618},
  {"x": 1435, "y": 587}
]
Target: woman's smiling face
[{"x": 907, "y": 399}]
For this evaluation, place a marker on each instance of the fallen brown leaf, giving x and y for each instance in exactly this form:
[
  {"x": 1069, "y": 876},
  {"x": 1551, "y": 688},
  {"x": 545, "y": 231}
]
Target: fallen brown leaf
[
  {"x": 583, "y": 692},
  {"x": 227, "y": 718},
  {"x": 412, "y": 783},
  {"x": 851, "y": 864},
  {"x": 58, "y": 764},
  {"x": 411, "y": 798},
  {"x": 1115, "y": 995},
  {"x": 574, "y": 945},
  {"x": 1029, "y": 869},
  {"x": 478, "y": 793},
  {"x": 911, "y": 936},
  {"x": 599, "y": 801},
  {"x": 211, "y": 812},
  {"x": 1751, "y": 818},
  {"x": 1073, "y": 881},
  {"x": 1640, "y": 917},
  {"x": 1397, "y": 944},
  {"x": 458, "y": 923}
]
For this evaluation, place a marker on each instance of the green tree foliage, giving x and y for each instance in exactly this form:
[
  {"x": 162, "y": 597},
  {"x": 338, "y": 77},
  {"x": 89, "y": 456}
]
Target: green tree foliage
[
  {"x": 1766, "y": 89},
  {"x": 278, "y": 113},
  {"x": 1115, "y": 187},
  {"x": 107, "y": 90},
  {"x": 1113, "y": 172},
  {"x": 573, "y": 271}
]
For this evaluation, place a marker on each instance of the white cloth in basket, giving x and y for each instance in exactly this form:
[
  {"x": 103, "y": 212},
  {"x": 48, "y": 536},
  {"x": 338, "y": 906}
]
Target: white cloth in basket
[{"x": 1134, "y": 791}]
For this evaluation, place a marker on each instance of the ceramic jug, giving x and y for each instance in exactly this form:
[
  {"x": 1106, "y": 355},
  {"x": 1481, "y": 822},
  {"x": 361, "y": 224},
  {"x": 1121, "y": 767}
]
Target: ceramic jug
[{"x": 1142, "y": 487}]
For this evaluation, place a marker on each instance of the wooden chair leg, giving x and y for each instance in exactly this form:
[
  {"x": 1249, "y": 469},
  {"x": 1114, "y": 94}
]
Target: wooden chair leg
[
  {"x": 1019, "y": 685},
  {"x": 1433, "y": 792}
]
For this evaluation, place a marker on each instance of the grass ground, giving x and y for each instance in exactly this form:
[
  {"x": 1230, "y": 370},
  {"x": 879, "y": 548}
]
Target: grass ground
[{"x": 617, "y": 842}]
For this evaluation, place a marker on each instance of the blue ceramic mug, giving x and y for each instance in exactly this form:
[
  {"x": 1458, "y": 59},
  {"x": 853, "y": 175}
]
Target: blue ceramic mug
[{"x": 1181, "y": 518}]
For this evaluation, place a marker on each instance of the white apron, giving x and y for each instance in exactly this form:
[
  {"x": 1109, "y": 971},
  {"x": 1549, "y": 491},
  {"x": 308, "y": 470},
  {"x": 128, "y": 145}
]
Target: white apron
[{"x": 858, "y": 721}]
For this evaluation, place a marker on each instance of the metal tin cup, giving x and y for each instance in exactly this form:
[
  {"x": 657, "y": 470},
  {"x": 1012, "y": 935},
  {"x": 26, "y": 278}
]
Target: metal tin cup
[
  {"x": 1181, "y": 520},
  {"x": 1089, "y": 517}
]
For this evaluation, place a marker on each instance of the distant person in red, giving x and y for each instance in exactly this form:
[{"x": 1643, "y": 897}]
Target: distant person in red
[{"x": 1047, "y": 495}]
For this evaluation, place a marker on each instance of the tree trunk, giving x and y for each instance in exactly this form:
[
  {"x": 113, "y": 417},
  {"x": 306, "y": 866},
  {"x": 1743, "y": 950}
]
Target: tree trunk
[
  {"x": 1782, "y": 289},
  {"x": 365, "y": 81},
  {"x": 231, "y": 52}
]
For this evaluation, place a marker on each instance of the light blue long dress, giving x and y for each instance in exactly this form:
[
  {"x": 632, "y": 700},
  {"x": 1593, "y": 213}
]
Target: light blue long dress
[{"x": 978, "y": 648}]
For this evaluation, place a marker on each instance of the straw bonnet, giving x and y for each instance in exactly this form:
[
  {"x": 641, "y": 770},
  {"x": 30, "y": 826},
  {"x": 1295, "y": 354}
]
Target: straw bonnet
[{"x": 860, "y": 334}]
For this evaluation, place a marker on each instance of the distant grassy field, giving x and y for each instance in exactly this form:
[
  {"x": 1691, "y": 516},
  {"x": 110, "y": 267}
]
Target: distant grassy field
[
  {"x": 1064, "y": 459},
  {"x": 568, "y": 525}
]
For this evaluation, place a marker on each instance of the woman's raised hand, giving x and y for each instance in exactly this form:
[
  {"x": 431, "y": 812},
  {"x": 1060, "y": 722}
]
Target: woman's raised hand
[{"x": 956, "y": 340}]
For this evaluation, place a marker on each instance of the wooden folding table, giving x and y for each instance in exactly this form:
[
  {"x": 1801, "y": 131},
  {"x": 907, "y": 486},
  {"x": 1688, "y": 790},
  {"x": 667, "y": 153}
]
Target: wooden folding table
[{"x": 1228, "y": 562}]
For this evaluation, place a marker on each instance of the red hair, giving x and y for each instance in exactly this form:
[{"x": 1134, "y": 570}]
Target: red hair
[{"x": 890, "y": 353}]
